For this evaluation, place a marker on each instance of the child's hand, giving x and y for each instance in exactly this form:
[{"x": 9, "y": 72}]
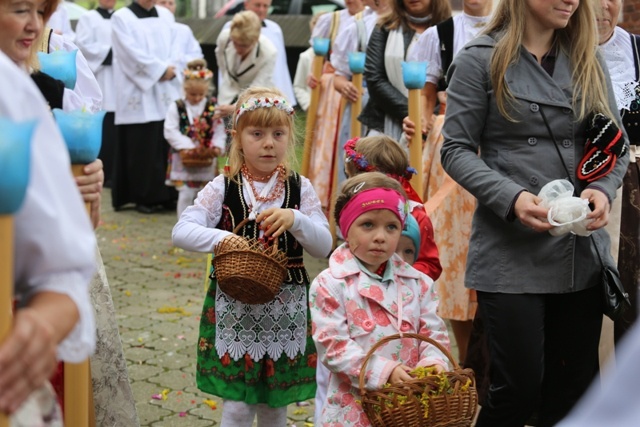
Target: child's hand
[
  {"x": 275, "y": 221},
  {"x": 400, "y": 374}
]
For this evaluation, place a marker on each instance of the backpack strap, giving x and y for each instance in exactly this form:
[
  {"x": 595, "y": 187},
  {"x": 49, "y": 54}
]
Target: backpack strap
[{"x": 445, "y": 35}]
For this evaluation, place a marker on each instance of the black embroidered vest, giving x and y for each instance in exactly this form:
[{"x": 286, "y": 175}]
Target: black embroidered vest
[
  {"x": 206, "y": 118},
  {"x": 235, "y": 210}
]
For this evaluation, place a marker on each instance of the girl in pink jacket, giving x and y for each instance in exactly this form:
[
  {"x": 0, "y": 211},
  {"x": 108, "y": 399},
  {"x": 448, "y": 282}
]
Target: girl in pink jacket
[{"x": 368, "y": 292}]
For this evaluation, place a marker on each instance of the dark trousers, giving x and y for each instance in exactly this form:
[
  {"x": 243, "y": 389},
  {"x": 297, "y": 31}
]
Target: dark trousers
[
  {"x": 544, "y": 354},
  {"x": 108, "y": 147}
]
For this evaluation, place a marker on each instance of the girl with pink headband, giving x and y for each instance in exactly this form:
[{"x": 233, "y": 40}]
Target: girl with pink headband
[{"x": 369, "y": 292}]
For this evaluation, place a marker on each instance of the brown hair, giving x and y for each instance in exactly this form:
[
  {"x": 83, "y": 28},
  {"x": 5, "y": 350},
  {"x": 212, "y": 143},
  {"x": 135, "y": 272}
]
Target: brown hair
[
  {"x": 397, "y": 15},
  {"x": 364, "y": 181},
  {"x": 383, "y": 153},
  {"x": 260, "y": 117},
  {"x": 197, "y": 65},
  {"x": 245, "y": 27}
]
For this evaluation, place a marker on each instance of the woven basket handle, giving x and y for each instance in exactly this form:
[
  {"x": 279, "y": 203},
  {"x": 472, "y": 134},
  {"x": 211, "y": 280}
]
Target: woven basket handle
[
  {"x": 385, "y": 340},
  {"x": 274, "y": 247}
]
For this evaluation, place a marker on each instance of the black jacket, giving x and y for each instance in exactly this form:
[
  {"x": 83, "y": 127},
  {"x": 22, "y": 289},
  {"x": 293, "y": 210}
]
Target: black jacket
[{"x": 384, "y": 99}]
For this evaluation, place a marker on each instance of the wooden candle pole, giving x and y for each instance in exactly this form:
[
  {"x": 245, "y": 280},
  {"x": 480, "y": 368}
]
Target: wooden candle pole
[
  {"x": 414, "y": 75},
  {"x": 415, "y": 148},
  {"x": 77, "y": 376},
  {"x": 320, "y": 48},
  {"x": 356, "y": 107},
  {"x": 6, "y": 285}
]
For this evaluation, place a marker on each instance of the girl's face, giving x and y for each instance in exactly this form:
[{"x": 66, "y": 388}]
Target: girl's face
[
  {"x": 406, "y": 249},
  {"x": 242, "y": 48},
  {"x": 264, "y": 148},
  {"x": 21, "y": 23},
  {"x": 477, "y": 7},
  {"x": 550, "y": 14},
  {"x": 194, "y": 94},
  {"x": 373, "y": 237},
  {"x": 354, "y": 6},
  {"x": 417, "y": 8}
]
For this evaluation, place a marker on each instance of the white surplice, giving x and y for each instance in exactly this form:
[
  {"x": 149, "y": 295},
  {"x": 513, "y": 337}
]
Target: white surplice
[
  {"x": 141, "y": 55},
  {"x": 93, "y": 38},
  {"x": 185, "y": 47},
  {"x": 54, "y": 243},
  {"x": 87, "y": 93}
]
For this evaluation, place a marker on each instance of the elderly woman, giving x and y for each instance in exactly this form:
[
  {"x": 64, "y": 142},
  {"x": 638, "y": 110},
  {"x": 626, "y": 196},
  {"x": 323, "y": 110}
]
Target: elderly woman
[
  {"x": 620, "y": 52},
  {"x": 54, "y": 243},
  {"x": 245, "y": 58},
  {"x": 388, "y": 46}
]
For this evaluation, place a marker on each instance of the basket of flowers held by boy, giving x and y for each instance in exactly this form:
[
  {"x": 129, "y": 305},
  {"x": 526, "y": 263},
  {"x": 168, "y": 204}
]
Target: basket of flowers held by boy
[{"x": 430, "y": 399}]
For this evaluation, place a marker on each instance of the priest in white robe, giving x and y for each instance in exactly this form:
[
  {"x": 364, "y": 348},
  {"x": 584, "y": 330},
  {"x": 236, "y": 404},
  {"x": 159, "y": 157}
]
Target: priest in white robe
[
  {"x": 93, "y": 38},
  {"x": 145, "y": 81},
  {"x": 273, "y": 32},
  {"x": 185, "y": 46}
]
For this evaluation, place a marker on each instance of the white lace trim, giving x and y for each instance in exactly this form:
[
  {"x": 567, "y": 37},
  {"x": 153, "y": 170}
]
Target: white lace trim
[
  {"x": 618, "y": 54},
  {"x": 272, "y": 329}
]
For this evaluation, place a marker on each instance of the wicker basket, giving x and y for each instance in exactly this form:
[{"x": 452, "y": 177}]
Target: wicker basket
[
  {"x": 196, "y": 158},
  {"x": 401, "y": 405},
  {"x": 248, "y": 271}
]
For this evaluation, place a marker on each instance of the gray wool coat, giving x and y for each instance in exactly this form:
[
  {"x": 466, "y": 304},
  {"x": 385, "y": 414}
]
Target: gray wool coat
[{"x": 504, "y": 255}]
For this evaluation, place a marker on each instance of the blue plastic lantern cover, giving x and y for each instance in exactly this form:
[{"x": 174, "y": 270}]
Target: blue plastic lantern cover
[
  {"x": 356, "y": 62},
  {"x": 15, "y": 158},
  {"x": 321, "y": 46},
  {"x": 414, "y": 74},
  {"x": 82, "y": 132},
  {"x": 60, "y": 65}
]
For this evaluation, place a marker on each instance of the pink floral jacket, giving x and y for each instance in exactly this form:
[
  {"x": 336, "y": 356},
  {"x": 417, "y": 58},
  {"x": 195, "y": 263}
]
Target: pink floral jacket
[{"x": 351, "y": 311}]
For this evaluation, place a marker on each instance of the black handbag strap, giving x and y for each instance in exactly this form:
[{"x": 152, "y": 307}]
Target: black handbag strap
[{"x": 555, "y": 144}]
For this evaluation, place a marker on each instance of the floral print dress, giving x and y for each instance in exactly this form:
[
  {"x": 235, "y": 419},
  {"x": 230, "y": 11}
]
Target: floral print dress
[{"x": 351, "y": 310}]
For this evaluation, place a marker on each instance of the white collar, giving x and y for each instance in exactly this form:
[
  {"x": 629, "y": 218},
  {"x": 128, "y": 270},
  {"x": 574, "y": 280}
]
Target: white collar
[{"x": 618, "y": 55}]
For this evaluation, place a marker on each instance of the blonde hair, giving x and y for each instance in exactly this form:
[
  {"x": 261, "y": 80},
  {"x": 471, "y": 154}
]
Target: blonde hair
[
  {"x": 383, "y": 153},
  {"x": 259, "y": 117},
  {"x": 397, "y": 14},
  {"x": 579, "y": 40},
  {"x": 193, "y": 79},
  {"x": 364, "y": 181},
  {"x": 245, "y": 27}
]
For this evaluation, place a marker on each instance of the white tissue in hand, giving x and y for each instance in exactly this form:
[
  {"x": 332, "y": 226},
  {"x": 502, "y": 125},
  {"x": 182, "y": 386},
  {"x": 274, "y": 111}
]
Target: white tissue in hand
[
  {"x": 568, "y": 214},
  {"x": 557, "y": 189}
]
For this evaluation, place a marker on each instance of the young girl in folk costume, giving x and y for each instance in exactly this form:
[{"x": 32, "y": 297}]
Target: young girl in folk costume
[
  {"x": 192, "y": 131},
  {"x": 367, "y": 293},
  {"x": 258, "y": 358},
  {"x": 383, "y": 154}
]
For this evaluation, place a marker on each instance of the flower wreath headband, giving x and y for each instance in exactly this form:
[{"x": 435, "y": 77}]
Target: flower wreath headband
[
  {"x": 362, "y": 165},
  {"x": 254, "y": 103},
  {"x": 201, "y": 74}
]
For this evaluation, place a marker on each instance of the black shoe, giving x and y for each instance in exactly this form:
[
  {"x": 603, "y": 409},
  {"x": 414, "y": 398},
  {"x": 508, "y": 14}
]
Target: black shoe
[{"x": 146, "y": 209}]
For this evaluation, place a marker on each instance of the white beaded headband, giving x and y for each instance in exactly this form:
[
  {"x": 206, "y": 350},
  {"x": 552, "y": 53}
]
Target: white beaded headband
[{"x": 253, "y": 103}]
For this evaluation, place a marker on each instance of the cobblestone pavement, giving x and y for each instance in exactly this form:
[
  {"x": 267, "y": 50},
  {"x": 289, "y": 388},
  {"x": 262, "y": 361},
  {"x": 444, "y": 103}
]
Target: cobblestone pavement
[{"x": 158, "y": 292}]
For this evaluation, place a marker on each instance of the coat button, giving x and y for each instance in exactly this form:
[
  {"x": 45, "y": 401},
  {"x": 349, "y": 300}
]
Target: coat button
[
  {"x": 566, "y": 143},
  {"x": 566, "y": 110},
  {"x": 534, "y": 107},
  {"x": 532, "y": 141},
  {"x": 533, "y": 180}
]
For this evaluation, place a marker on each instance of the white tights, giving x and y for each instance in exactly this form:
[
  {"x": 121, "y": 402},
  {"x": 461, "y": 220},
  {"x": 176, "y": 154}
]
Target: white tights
[
  {"x": 186, "y": 196},
  {"x": 240, "y": 414}
]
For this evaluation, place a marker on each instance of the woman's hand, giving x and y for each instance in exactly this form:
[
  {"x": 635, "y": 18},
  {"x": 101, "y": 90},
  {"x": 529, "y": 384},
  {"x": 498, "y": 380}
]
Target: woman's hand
[
  {"x": 528, "y": 210},
  {"x": 350, "y": 92},
  {"x": 27, "y": 358},
  {"x": 90, "y": 186},
  {"x": 275, "y": 221},
  {"x": 600, "y": 205},
  {"x": 312, "y": 82},
  {"x": 222, "y": 111},
  {"x": 400, "y": 374}
]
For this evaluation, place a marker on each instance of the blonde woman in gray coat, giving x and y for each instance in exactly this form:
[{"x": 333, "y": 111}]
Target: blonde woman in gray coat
[{"x": 539, "y": 295}]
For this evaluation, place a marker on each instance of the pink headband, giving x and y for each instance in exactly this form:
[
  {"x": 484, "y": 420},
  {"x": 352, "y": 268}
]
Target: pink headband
[{"x": 372, "y": 199}]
